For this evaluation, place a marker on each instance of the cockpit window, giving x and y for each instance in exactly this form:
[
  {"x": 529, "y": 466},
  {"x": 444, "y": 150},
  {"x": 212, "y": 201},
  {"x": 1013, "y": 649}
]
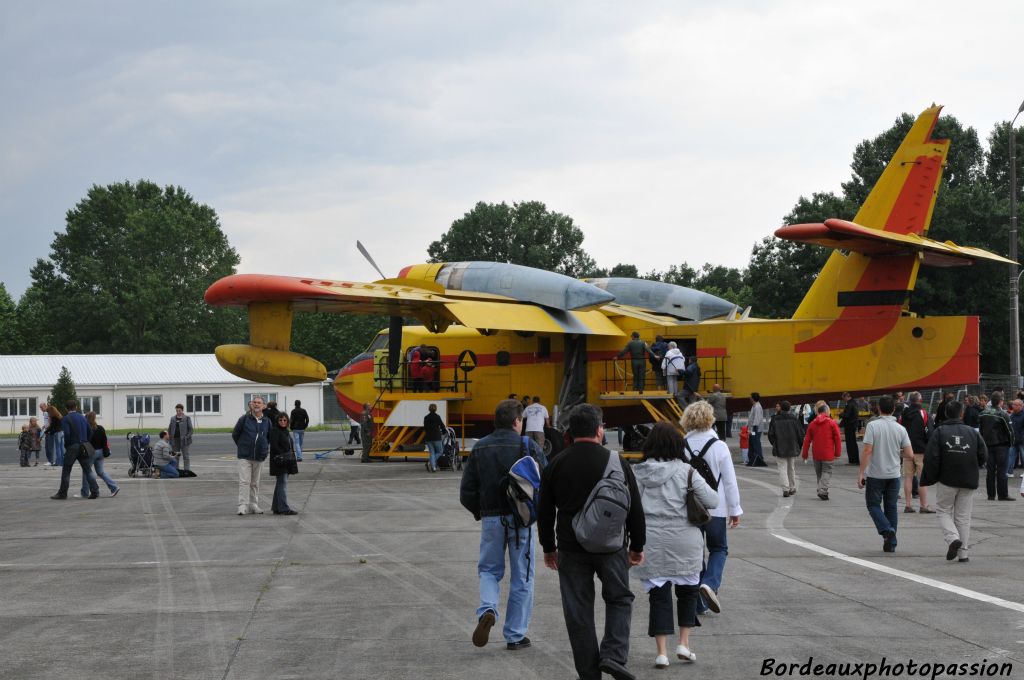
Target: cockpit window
[{"x": 379, "y": 342}]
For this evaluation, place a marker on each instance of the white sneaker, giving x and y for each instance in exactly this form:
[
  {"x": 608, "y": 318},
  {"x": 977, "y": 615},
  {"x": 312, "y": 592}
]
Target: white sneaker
[
  {"x": 683, "y": 652},
  {"x": 710, "y": 598},
  {"x": 255, "y": 510},
  {"x": 241, "y": 509},
  {"x": 47, "y": 463},
  {"x": 661, "y": 661}
]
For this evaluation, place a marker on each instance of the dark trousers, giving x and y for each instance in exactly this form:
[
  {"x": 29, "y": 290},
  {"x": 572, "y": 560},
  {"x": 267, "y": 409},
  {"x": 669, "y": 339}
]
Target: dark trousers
[
  {"x": 661, "y": 622},
  {"x": 720, "y": 429},
  {"x": 852, "y": 452},
  {"x": 280, "y": 502},
  {"x": 995, "y": 479},
  {"x": 71, "y": 457},
  {"x": 639, "y": 369},
  {"x": 576, "y": 571}
]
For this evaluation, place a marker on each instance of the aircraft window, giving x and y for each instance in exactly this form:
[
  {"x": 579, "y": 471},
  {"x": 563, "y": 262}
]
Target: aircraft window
[
  {"x": 379, "y": 342},
  {"x": 503, "y": 358}
]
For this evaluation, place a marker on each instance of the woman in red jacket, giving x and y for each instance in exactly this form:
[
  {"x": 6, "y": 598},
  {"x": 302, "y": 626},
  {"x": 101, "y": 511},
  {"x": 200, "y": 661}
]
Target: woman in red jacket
[{"x": 825, "y": 443}]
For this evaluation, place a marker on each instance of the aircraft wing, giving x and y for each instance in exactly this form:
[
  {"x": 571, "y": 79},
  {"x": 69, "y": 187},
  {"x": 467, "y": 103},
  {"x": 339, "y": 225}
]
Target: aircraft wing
[
  {"x": 843, "y": 235},
  {"x": 429, "y": 302}
]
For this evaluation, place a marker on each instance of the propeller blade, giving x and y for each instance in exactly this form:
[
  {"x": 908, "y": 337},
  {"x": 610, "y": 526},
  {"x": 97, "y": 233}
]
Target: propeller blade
[{"x": 369, "y": 259}]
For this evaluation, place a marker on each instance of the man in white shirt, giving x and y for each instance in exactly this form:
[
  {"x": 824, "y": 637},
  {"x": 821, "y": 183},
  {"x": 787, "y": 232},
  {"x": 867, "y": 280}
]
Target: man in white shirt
[
  {"x": 885, "y": 442},
  {"x": 537, "y": 418}
]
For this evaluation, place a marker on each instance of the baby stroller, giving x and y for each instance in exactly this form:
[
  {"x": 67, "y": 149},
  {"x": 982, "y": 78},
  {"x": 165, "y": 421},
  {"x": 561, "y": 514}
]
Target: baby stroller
[
  {"x": 449, "y": 458},
  {"x": 140, "y": 455}
]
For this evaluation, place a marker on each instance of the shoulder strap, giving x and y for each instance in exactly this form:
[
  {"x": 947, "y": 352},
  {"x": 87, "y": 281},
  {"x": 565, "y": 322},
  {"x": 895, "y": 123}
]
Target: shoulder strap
[
  {"x": 686, "y": 448},
  {"x": 613, "y": 462},
  {"x": 706, "y": 446}
]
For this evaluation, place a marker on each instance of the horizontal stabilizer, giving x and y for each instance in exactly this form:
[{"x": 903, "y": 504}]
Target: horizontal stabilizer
[{"x": 843, "y": 235}]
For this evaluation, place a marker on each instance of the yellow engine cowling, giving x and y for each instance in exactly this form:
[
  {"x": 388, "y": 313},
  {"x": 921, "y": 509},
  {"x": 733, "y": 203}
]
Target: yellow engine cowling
[{"x": 274, "y": 366}]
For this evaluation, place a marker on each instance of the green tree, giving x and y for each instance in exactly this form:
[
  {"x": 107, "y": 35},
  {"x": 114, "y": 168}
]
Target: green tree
[
  {"x": 129, "y": 273},
  {"x": 62, "y": 391},
  {"x": 333, "y": 339},
  {"x": 10, "y": 339},
  {"x": 34, "y": 334},
  {"x": 524, "y": 233}
]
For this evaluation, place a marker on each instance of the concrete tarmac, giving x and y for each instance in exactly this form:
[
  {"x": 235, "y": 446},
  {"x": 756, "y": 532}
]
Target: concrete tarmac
[{"x": 376, "y": 578}]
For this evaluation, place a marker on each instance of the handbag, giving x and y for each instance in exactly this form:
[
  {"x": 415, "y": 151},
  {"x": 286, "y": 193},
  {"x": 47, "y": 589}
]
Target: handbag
[
  {"x": 86, "y": 451},
  {"x": 696, "y": 513}
]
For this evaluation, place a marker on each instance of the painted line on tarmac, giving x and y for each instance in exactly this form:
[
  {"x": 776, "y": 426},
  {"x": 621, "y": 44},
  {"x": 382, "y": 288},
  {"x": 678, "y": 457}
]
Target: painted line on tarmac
[{"x": 776, "y": 527}]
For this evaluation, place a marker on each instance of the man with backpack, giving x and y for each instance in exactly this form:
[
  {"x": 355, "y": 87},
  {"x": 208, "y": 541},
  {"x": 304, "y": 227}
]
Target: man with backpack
[
  {"x": 484, "y": 492},
  {"x": 589, "y": 513}
]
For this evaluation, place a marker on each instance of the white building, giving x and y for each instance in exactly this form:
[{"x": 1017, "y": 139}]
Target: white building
[{"x": 139, "y": 391}]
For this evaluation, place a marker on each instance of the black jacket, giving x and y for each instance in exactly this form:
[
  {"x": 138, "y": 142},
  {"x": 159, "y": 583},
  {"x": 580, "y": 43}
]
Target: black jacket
[
  {"x": 995, "y": 428},
  {"x": 850, "y": 418},
  {"x": 691, "y": 377},
  {"x": 915, "y": 422},
  {"x": 972, "y": 416},
  {"x": 786, "y": 435},
  {"x": 565, "y": 485},
  {"x": 955, "y": 452},
  {"x": 282, "y": 455},
  {"x": 433, "y": 428},
  {"x": 487, "y": 467},
  {"x": 300, "y": 419}
]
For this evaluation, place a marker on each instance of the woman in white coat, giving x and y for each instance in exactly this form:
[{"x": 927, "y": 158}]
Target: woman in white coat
[
  {"x": 672, "y": 366},
  {"x": 674, "y": 552}
]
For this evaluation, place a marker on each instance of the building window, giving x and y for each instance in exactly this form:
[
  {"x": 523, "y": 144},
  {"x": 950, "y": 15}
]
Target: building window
[
  {"x": 17, "y": 406},
  {"x": 144, "y": 404},
  {"x": 267, "y": 397},
  {"x": 202, "y": 403},
  {"x": 89, "y": 404}
]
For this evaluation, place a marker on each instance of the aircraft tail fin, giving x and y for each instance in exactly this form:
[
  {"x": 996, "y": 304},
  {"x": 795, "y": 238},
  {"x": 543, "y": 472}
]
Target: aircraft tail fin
[{"x": 874, "y": 278}]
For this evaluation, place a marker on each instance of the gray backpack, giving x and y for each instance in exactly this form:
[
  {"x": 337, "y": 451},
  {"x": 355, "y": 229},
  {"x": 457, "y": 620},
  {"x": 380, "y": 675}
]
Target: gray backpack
[{"x": 600, "y": 526}]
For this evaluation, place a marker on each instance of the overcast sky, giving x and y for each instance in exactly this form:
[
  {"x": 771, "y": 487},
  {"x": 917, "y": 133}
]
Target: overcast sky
[{"x": 670, "y": 131}]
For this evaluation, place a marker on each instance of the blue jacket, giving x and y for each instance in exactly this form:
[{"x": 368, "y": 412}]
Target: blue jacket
[
  {"x": 1017, "y": 423},
  {"x": 488, "y": 465},
  {"x": 76, "y": 430},
  {"x": 251, "y": 436}
]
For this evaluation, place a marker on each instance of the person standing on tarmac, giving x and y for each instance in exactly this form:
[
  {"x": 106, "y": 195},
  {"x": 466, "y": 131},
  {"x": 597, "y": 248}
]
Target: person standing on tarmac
[
  {"x": 366, "y": 427},
  {"x": 299, "y": 422}
]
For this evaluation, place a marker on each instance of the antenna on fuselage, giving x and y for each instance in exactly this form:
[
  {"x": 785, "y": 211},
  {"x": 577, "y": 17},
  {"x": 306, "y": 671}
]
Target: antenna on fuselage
[{"x": 394, "y": 325}]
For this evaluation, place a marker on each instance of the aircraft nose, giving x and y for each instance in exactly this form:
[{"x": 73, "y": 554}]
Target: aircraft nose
[
  {"x": 712, "y": 306},
  {"x": 580, "y": 295}
]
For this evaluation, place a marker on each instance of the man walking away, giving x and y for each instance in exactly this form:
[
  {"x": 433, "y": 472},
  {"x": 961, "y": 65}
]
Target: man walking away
[
  {"x": 955, "y": 452},
  {"x": 786, "y": 434},
  {"x": 915, "y": 421},
  {"x": 299, "y": 423},
  {"x": 76, "y": 436},
  {"x": 566, "y": 486},
  {"x": 638, "y": 352},
  {"x": 483, "y": 494},
  {"x": 180, "y": 431},
  {"x": 433, "y": 435},
  {"x": 537, "y": 418},
  {"x": 850, "y": 420},
  {"x": 251, "y": 437},
  {"x": 755, "y": 457},
  {"x": 998, "y": 435},
  {"x": 826, "y": 446},
  {"x": 658, "y": 349},
  {"x": 885, "y": 441},
  {"x": 718, "y": 401},
  {"x": 1016, "y": 424}
]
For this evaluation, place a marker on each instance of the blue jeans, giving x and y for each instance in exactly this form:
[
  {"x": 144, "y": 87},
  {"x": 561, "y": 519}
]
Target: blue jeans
[
  {"x": 280, "y": 502},
  {"x": 297, "y": 435},
  {"x": 65, "y": 476},
  {"x": 494, "y": 539},
  {"x": 435, "y": 449},
  {"x": 97, "y": 464},
  {"x": 57, "y": 446},
  {"x": 169, "y": 471},
  {"x": 718, "y": 550},
  {"x": 754, "y": 454},
  {"x": 881, "y": 496}
]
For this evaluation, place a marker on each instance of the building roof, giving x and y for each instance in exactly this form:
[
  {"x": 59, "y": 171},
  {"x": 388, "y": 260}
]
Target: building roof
[{"x": 115, "y": 369}]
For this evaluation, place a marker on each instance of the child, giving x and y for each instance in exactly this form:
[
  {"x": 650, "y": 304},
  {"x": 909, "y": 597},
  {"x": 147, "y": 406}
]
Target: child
[
  {"x": 37, "y": 439},
  {"x": 24, "y": 444}
]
